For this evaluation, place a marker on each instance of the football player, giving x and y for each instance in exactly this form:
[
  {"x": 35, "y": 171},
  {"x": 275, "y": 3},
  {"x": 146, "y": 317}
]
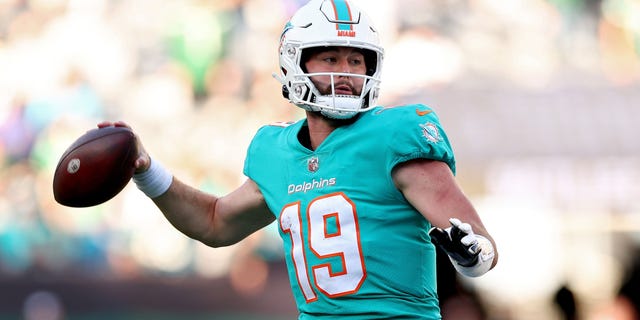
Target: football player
[{"x": 360, "y": 193}]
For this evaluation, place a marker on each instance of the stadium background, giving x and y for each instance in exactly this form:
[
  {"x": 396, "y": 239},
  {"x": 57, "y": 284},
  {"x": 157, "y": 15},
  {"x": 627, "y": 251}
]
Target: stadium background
[{"x": 541, "y": 99}]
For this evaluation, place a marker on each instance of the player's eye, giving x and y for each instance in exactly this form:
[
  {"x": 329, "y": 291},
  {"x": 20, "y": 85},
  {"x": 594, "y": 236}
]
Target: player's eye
[{"x": 330, "y": 60}]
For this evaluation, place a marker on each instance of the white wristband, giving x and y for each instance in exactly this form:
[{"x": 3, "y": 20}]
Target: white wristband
[
  {"x": 155, "y": 181},
  {"x": 485, "y": 259}
]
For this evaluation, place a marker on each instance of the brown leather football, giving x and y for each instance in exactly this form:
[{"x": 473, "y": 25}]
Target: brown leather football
[{"x": 96, "y": 167}]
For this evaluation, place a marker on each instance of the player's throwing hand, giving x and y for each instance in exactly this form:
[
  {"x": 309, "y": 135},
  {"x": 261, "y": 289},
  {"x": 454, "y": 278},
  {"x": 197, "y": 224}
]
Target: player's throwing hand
[{"x": 471, "y": 254}]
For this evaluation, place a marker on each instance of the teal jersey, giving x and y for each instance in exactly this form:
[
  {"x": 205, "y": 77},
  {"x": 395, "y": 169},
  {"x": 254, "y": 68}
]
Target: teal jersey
[{"x": 354, "y": 247}]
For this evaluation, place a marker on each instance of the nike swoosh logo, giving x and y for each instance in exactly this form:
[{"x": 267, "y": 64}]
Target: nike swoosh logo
[{"x": 422, "y": 113}]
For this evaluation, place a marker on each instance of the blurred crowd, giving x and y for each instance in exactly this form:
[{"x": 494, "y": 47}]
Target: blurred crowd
[{"x": 194, "y": 80}]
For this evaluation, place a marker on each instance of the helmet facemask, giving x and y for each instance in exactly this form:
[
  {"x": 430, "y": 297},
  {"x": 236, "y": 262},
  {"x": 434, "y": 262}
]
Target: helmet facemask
[{"x": 337, "y": 106}]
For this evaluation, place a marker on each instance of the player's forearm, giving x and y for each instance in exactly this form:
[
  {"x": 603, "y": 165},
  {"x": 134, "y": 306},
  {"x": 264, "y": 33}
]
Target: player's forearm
[{"x": 189, "y": 210}]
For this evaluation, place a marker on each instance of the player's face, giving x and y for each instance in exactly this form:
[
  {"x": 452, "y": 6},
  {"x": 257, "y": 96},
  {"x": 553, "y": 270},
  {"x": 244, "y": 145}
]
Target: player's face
[{"x": 342, "y": 60}]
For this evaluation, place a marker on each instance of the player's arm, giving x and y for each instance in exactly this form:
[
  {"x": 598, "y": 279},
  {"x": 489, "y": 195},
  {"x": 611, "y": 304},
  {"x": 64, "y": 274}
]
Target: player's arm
[
  {"x": 215, "y": 221},
  {"x": 432, "y": 189}
]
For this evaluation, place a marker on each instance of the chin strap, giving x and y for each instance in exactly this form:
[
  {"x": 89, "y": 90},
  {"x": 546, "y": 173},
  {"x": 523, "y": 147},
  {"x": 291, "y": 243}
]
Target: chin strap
[
  {"x": 471, "y": 254},
  {"x": 349, "y": 106}
]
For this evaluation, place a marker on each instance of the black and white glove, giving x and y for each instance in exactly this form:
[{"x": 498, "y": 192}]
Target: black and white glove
[{"x": 470, "y": 253}]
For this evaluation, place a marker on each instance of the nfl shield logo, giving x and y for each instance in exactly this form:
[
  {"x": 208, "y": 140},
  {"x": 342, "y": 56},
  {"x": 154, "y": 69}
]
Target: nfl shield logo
[{"x": 313, "y": 164}]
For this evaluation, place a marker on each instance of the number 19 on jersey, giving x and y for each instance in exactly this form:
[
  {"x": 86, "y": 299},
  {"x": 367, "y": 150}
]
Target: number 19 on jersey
[{"x": 332, "y": 232}]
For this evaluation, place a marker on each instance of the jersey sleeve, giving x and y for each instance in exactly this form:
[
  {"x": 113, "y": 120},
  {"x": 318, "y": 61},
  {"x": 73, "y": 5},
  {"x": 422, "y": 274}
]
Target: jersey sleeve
[
  {"x": 417, "y": 133},
  {"x": 252, "y": 161},
  {"x": 268, "y": 146}
]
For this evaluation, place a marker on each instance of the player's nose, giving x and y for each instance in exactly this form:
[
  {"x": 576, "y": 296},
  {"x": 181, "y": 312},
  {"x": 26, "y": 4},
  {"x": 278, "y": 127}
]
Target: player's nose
[{"x": 344, "y": 66}]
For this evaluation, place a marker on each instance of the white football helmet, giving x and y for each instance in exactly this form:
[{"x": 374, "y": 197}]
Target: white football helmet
[{"x": 329, "y": 23}]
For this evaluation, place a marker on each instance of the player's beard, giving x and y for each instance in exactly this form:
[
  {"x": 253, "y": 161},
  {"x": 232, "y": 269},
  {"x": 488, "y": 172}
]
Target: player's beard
[{"x": 327, "y": 90}]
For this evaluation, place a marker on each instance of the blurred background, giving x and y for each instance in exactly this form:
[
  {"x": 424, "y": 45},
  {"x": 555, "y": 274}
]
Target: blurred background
[{"x": 540, "y": 98}]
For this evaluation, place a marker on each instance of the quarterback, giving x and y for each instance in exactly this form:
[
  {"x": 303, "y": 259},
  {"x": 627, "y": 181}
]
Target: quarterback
[{"x": 360, "y": 193}]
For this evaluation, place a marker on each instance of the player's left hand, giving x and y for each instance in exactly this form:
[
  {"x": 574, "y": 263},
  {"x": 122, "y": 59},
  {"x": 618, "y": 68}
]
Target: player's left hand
[
  {"x": 472, "y": 254},
  {"x": 458, "y": 241}
]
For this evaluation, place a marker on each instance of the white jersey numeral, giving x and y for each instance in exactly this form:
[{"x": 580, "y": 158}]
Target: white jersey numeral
[{"x": 333, "y": 232}]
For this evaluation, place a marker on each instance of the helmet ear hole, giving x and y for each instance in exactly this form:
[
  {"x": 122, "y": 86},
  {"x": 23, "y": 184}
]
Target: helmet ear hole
[{"x": 285, "y": 92}]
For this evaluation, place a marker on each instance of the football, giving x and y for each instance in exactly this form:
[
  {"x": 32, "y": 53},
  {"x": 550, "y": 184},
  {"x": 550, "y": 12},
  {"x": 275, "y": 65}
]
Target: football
[{"x": 96, "y": 167}]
